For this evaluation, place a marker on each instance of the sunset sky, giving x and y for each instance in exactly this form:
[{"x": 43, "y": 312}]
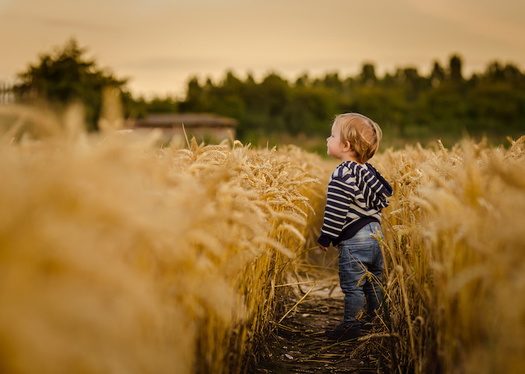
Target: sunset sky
[{"x": 159, "y": 44}]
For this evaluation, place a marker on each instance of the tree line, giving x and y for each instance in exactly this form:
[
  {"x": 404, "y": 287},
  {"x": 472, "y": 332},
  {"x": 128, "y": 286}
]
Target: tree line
[{"x": 405, "y": 101}]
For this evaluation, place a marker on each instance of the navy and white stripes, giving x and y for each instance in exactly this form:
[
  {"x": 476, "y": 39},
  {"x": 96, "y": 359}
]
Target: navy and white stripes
[{"x": 356, "y": 195}]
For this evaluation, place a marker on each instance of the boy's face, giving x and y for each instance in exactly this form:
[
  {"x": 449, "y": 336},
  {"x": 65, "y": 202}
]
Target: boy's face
[{"x": 334, "y": 144}]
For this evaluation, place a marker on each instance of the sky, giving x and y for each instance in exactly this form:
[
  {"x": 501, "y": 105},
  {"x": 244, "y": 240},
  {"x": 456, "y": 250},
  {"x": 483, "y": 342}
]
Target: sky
[{"x": 158, "y": 45}]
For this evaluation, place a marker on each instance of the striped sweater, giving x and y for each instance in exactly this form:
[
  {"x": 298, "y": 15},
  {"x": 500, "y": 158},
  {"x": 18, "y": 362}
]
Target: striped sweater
[{"x": 356, "y": 195}]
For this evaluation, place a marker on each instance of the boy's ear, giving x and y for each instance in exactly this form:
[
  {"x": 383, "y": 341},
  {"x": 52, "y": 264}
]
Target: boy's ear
[{"x": 347, "y": 146}]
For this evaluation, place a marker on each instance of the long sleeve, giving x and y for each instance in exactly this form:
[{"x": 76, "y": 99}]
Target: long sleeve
[
  {"x": 339, "y": 197},
  {"x": 356, "y": 195}
]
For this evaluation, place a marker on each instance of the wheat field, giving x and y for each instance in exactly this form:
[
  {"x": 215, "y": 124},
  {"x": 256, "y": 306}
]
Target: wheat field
[
  {"x": 455, "y": 252},
  {"x": 120, "y": 256}
]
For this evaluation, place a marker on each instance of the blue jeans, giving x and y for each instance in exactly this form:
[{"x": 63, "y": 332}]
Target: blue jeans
[{"x": 356, "y": 256}]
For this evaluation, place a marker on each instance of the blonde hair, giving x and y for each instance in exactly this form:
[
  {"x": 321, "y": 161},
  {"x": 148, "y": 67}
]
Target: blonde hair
[{"x": 361, "y": 132}]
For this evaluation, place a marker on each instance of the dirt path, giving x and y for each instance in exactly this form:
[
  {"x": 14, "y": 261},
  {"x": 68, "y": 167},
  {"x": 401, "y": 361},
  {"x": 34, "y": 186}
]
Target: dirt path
[{"x": 297, "y": 344}]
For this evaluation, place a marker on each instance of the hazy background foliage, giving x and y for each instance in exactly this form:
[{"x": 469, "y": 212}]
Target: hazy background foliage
[{"x": 409, "y": 106}]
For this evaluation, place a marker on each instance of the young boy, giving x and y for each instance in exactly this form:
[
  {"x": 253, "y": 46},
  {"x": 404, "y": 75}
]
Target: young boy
[{"x": 356, "y": 195}]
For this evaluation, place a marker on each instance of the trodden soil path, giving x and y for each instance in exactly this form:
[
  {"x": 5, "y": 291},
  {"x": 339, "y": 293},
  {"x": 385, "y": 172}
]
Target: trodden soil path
[{"x": 297, "y": 343}]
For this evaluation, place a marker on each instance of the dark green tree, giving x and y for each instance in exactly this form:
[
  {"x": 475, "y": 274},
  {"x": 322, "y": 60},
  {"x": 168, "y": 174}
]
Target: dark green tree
[
  {"x": 303, "y": 81},
  {"x": 194, "y": 101},
  {"x": 414, "y": 83},
  {"x": 368, "y": 74},
  {"x": 333, "y": 82},
  {"x": 166, "y": 104},
  {"x": 437, "y": 76},
  {"x": 65, "y": 76},
  {"x": 497, "y": 99},
  {"x": 454, "y": 69},
  {"x": 276, "y": 92}
]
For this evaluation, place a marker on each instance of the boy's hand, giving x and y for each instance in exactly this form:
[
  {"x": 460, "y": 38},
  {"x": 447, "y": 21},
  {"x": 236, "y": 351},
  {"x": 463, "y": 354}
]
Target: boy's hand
[{"x": 323, "y": 248}]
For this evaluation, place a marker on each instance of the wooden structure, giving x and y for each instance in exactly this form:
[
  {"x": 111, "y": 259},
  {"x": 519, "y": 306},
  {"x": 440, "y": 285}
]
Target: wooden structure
[{"x": 202, "y": 126}]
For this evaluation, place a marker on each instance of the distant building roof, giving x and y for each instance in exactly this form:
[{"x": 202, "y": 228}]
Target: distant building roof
[{"x": 192, "y": 120}]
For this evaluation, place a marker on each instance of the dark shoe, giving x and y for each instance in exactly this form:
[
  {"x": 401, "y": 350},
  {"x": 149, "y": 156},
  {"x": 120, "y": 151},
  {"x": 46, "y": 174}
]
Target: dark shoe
[
  {"x": 344, "y": 332},
  {"x": 366, "y": 325}
]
